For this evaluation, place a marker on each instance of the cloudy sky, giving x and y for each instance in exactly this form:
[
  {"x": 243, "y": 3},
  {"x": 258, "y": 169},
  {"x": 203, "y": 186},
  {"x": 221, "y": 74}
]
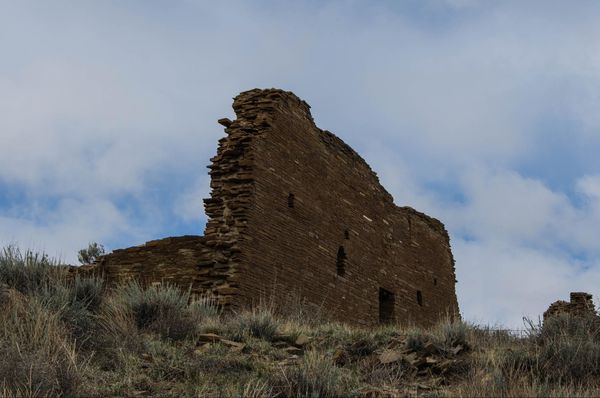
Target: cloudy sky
[{"x": 484, "y": 114}]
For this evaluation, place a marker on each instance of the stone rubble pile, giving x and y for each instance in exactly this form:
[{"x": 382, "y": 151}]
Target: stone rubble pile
[{"x": 431, "y": 358}]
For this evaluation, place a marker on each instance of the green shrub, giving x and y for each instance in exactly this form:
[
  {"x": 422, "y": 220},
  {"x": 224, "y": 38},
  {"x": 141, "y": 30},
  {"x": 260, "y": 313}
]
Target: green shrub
[
  {"x": 90, "y": 254},
  {"x": 452, "y": 334},
  {"x": 314, "y": 376},
  {"x": 564, "y": 350},
  {"x": 117, "y": 336},
  {"x": 247, "y": 387},
  {"x": 27, "y": 272},
  {"x": 205, "y": 306},
  {"x": 445, "y": 337},
  {"x": 77, "y": 301},
  {"x": 293, "y": 307},
  {"x": 255, "y": 388},
  {"x": 219, "y": 359},
  {"x": 416, "y": 340},
  {"x": 565, "y": 326},
  {"x": 567, "y": 360},
  {"x": 569, "y": 348},
  {"x": 37, "y": 357},
  {"x": 88, "y": 291},
  {"x": 258, "y": 322},
  {"x": 166, "y": 361},
  {"x": 160, "y": 309}
]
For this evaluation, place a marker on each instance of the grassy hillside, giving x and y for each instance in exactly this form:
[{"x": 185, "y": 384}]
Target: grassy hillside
[{"x": 68, "y": 336}]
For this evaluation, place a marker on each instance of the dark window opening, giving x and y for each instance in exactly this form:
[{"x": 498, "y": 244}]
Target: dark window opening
[
  {"x": 291, "y": 200},
  {"x": 346, "y": 234},
  {"x": 434, "y": 281},
  {"x": 419, "y": 298},
  {"x": 341, "y": 261},
  {"x": 386, "y": 306}
]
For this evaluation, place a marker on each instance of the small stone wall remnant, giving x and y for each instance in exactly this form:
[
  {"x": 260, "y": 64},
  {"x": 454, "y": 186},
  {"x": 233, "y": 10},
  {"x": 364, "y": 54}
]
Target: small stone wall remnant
[
  {"x": 580, "y": 304},
  {"x": 175, "y": 260}
]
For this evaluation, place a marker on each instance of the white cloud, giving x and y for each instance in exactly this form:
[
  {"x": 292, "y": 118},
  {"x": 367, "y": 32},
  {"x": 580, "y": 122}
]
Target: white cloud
[
  {"x": 503, "y": 283},
  {"x": 589, "y": 185},
  {"x": 462, "y": 3},
  {"x": 508, "y": 207},
  {"x": 189, "y": 205},
  {"x": 65, "y": 229},
  {"x": 518, "y": 243}
]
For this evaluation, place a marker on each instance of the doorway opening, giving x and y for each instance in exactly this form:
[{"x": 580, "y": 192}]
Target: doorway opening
[
  {"x": 340, "y": 263},
  {"x": 386, "y": 306}
]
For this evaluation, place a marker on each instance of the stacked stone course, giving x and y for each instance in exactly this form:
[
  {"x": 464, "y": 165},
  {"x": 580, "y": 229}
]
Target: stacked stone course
[
  {"x": 580, "y": 304},
  {"x": 295, "y": 209},
  {"x": 172, "y": 260}
]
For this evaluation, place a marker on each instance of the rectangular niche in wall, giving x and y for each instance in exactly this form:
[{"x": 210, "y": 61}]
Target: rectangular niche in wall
[{"x": 386, "y": 306}]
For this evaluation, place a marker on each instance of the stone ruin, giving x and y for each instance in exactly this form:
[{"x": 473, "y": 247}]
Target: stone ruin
[
  {"x": 580, "y": 304},
  {"x": 294, "y": 210}
]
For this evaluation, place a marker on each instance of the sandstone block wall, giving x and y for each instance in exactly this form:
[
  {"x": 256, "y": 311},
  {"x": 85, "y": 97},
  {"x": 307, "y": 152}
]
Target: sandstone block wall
[
  {"x": 175, "y": 260},
  {"x": 322, "y": 224},
  {"x": 295, "y": 209},
  {"x": 580, "y": 304}
]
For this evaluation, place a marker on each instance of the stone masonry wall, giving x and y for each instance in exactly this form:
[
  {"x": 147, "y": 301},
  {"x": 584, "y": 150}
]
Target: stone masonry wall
[
  {"x": 580, "y": 304},
  {"x": 172, "y": 260},
  {"x": 231, "y": 196},
  {"x": 217, "y": 253},
  {"x": 338, "y": 206},
  {"x": 293, "y": 209}
]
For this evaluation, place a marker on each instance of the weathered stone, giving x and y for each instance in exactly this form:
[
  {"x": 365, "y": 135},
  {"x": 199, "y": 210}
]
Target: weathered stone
[
  {"x": 235, "y": 346},
  {"x": 416, "y": 360},
  {"x": 431, "y": 360},
  {"x": 580, "y": 304},
  {"x": 389, "y": 356},
  {"x": 444, "y": 366},
  {"x": 202, "y": 349},
  {"x": 275, "y": 178},
  {"x": 431, "y": 349},
  {"x": 293, "y": 350},
  {"x": 224, "y": 122},
  {"x": 226, "y": 290},
  {"x": 302, "y": 340},
  {"x": 209, "y": 338}
]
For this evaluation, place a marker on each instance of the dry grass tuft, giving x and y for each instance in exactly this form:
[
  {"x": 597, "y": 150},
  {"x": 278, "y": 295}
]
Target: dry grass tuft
[{"x": 38, "y": 358}]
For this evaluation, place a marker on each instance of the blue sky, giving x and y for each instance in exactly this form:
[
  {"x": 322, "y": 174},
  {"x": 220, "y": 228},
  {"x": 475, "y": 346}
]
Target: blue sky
[{"x": 483, "y": 114}]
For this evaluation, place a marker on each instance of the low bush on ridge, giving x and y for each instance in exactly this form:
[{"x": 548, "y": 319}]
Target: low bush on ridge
[
  {"x": 259, "y": 322},
  {"x": 27, "y": 272},
  {"x": 38, "y": 357},
  {"x": 565, "y": 349},
  {"x": 164, "y": 310},
  {"x": 314, "y": 376}
]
